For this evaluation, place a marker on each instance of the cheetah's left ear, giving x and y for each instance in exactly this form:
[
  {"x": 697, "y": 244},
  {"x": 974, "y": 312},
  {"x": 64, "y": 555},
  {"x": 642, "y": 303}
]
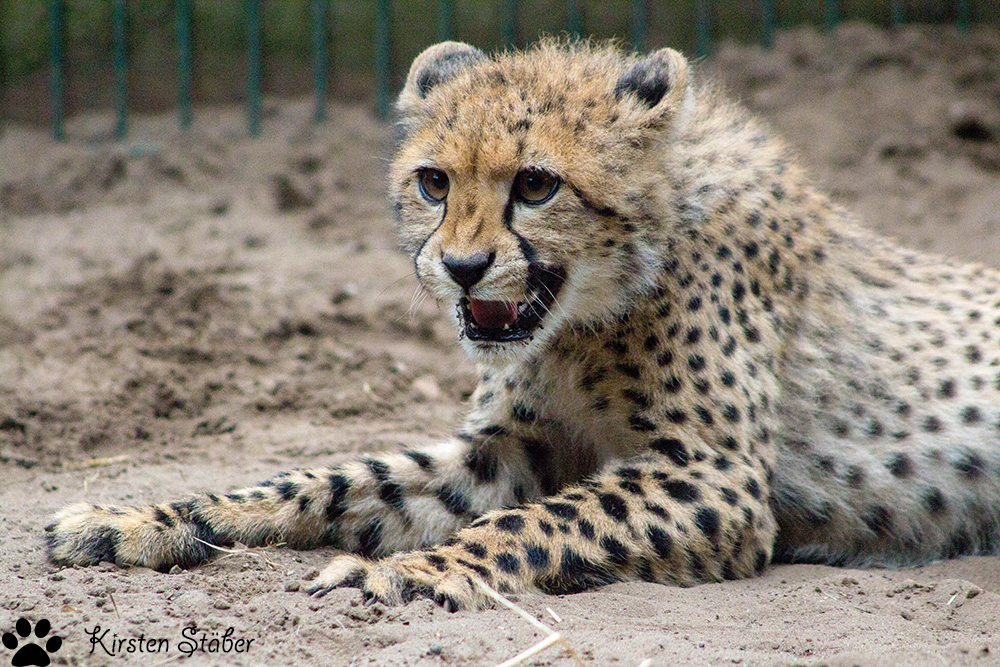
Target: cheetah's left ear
[
  {"x": 658, "y": 82},
  {"x": 436, "y": 65}
]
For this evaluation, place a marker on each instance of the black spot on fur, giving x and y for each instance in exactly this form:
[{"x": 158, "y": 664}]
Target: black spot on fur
[
  {"x": 287, "y": 490},
  {"x": 438, "y": 562},
  {"x": 672, "y": 448},
  {"x": 586, "y": 528},
  {"x": 536, "y": 556},
  {"x": 672, "y": 384},
  {"x": 511, "y": 523},
  {"x": 423, "y": 461},
  {"x": 483, "y": 572},
  {"x": 336, "y": 506},
  {"x": 722, "y": 463},
  {"x": 971, "y": 415},
  {"x": 971, "y": 466},
  {"x": 162, "y": 517},
  {"x": 932, "y": 424},
  {"x": 482, "y": 463},
  {"x": 632, "y": 487},
  {"x": 855, "y": 476},
  {"x": 476, "y": 549},
  {"x": 656, "y": 510},
  {"x": 900, "y": 465},
  {"x": 934, "y": 501},
  {"x": 370, "y": 539},
  {"x": 760, "y": 561},
  {"x": 682, "y": 491},
  {"x": 453, "y": 500},
  {"x": 392, "y": 495},
  {"x": 577, "y": 574},
  {"x": 661, "y": 541},
  {"x": 707, "y": 520},
  {"x": 878, "y": 519},
  {"x": 540, "y": 460},
  {"x": 561, "y": 510},
  {"x": 379, "y": 469},
  {"x": 618, "y": 553},
  {"x": 522, "y": 413},
  {"x": 637, "y": 397},
  {"x": 641, "y": 424},
  {"x": 614, "y": 506},
  {"x": 507, "y": 563}
]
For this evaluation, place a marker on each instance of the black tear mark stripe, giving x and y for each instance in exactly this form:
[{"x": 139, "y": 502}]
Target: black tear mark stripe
[{"x": 420, "y": 248}]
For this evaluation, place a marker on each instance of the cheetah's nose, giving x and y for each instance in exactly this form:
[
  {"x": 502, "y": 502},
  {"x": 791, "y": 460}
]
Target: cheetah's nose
[{"x": 467, "y": 271}]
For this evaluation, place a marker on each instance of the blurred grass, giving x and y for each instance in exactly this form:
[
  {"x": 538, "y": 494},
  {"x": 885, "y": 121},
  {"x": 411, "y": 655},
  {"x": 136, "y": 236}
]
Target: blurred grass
[{"x": 219, "y": 37}]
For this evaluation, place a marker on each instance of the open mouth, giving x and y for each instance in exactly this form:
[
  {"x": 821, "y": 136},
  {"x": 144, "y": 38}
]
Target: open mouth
[{"x": 504, "y": 321}]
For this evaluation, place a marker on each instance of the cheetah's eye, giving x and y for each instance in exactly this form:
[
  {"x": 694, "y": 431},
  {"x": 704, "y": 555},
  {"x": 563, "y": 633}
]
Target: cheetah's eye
[
  {"x": 535, "y": 186},
  {"x": 433, "y": 185}
]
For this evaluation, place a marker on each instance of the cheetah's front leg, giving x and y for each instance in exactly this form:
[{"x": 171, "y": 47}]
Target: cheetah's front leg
[
  {"x": 646, "y": 518},
  {"x": 375, "y": 505}
]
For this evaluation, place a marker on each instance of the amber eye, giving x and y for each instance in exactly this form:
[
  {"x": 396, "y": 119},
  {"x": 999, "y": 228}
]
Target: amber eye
[
  {"x": 433, "y": 185},
  {"x": 535, "y": 186}
]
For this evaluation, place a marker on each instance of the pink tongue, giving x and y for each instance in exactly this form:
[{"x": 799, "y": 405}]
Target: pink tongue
[{"x": 493, "y": 314}]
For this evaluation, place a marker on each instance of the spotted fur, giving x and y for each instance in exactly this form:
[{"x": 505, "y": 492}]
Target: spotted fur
[{"x": 733, "y": 371}]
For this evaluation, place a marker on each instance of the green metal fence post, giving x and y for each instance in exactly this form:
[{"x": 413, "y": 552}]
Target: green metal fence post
[
  {"x": 832, "y": 14},
  {"x": 184, "y": 63},
  {"x": 640, "y": 10},
  {"x": 57, "y": 75},
  {"x": 383, "y": 49},
  {"x": 319, "y": 56},
  {"x": 119, "y": 36},
  {"x": 445, "y": 13},
  {"x": 508, "y": 23},
  {"x": 703, "y": 28},
  {"x": 253, "y": 66},
  {"x": 897, "y": 13},
  {"x": 574, "y": 18},
  {"x": 767, "y": 24},
  {"x": 964, "y": 16}
]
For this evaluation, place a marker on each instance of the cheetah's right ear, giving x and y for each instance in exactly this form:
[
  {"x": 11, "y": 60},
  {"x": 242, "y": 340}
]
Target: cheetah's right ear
[
  {"x": 436, "y": 65},
  {"x": 658, "y": 82}
]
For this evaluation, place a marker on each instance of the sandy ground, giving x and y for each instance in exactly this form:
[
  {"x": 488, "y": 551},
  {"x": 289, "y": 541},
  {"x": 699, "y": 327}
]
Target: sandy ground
[{"x": 199, "y": 312}]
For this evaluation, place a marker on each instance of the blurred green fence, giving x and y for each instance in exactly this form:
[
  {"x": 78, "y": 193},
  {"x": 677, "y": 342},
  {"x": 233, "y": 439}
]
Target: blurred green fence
[{"x": 59, "y": 56}]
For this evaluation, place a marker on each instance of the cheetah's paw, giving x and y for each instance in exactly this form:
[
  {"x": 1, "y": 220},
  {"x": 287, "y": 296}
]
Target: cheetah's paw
[{"x": 402, "y": 578}]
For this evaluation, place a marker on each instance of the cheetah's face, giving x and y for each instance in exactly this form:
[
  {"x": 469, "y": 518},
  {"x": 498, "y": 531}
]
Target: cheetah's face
[{"x": 515, "y": 189}]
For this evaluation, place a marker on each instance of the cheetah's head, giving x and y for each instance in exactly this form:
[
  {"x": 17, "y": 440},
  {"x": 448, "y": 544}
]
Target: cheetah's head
[{"x": 524, "y": 184}]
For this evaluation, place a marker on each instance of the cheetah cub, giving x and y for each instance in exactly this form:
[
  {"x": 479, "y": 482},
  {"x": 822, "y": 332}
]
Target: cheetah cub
[{"x": 692, "y": 362}]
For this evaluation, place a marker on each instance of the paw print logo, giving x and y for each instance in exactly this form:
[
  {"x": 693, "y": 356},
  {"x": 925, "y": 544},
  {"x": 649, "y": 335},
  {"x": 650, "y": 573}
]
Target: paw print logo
[{"x": 31, "y": 653}]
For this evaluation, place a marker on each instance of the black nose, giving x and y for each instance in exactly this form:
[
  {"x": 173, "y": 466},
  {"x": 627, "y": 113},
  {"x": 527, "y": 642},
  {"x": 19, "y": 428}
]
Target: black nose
[{"x": 467, "y": 271}]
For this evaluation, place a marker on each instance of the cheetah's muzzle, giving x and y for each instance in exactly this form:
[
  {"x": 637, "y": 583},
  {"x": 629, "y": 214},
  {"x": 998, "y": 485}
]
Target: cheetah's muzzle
[{"x": 501, "y": 321}]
